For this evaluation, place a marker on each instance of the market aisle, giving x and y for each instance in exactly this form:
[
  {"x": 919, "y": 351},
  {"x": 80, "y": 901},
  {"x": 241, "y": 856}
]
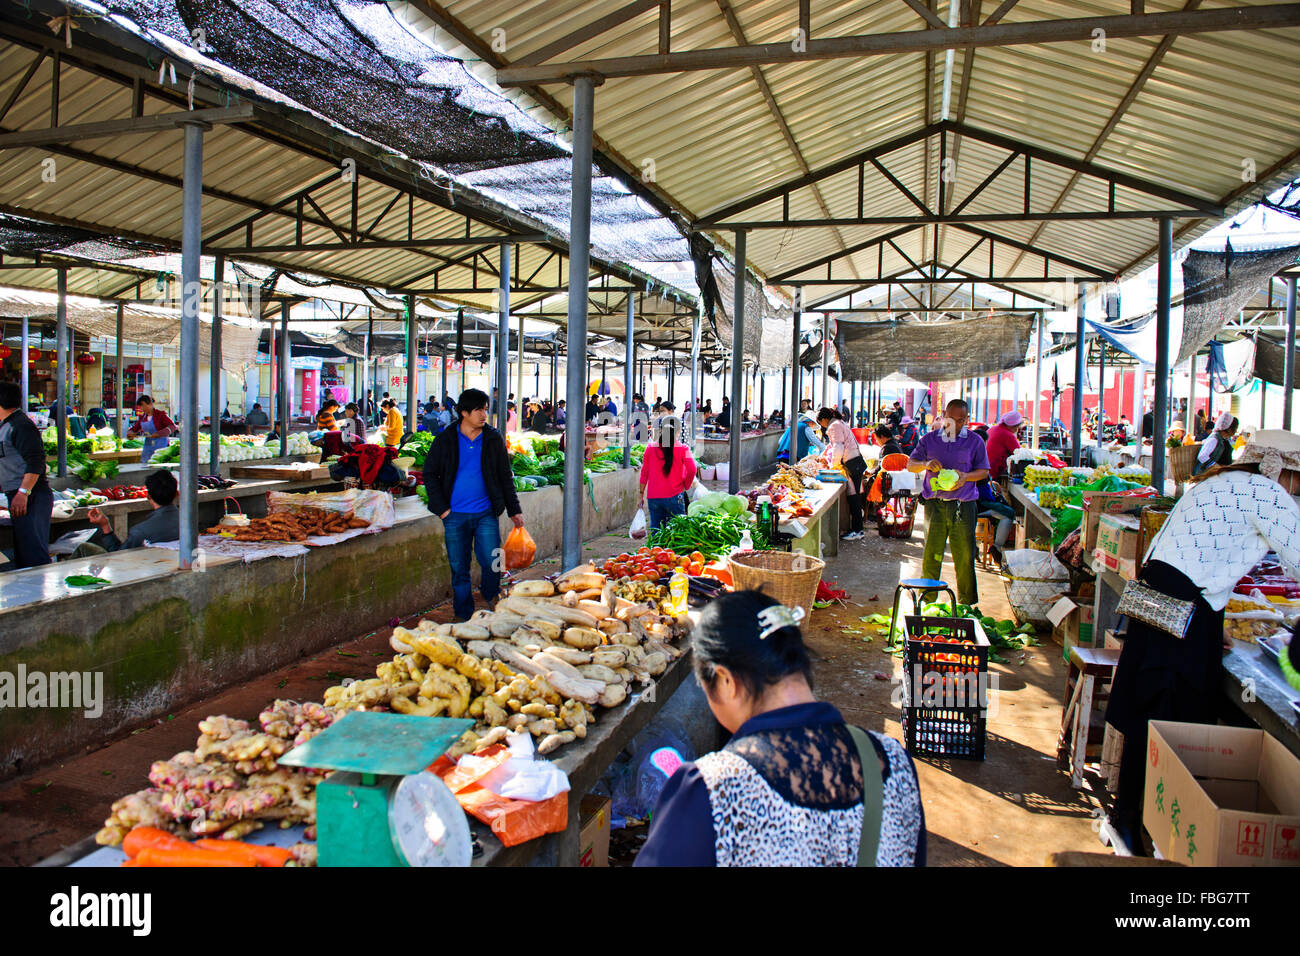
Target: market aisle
[{"x": 1013, "y": 808}]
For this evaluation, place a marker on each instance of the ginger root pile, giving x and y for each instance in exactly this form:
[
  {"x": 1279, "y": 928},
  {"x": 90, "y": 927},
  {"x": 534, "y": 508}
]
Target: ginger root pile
[{"x": 229, "y": 784}]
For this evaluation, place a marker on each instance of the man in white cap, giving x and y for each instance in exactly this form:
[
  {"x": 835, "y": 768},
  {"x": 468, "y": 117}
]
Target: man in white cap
[{"x": 1003, "y": 440}]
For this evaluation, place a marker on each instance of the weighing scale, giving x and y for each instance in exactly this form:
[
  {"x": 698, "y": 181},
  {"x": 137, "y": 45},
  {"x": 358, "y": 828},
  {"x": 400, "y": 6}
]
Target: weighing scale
[{"x": 381, "y": 807}]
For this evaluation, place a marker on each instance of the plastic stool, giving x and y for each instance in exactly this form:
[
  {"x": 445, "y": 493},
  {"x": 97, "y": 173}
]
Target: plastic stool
[{"x": 917, "y": 587}]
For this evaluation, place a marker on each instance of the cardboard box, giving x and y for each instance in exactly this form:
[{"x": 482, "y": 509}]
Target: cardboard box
[
  {"x": 1021, "y": 535},
  {"x": 1100, "y": 503},
  {"x": 1221, "y": 796},
  {"x": 1116, "y": 541},
  {"x": 593, "y": 836},
  {"x": 1072, "y": 620}
]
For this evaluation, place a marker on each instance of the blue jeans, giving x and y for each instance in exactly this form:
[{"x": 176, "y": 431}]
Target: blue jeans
[
  {"x": 661, "y": 509},
  {"x": 481, "y": 533}
]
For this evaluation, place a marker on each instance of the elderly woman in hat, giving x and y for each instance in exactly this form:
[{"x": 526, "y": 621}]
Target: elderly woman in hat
[
  {"x": 906, "y": 434},
  {"x": 1003, "y": 440},
  {"x": 1217, "y": 449},
  {"x": 1171, "y": 667},
  {"x": 1177, "y": 435}
]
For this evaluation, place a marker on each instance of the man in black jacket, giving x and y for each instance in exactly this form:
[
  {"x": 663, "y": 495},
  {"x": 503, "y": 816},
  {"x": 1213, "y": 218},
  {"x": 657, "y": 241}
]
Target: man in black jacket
[
  {"x": 469, "y": 483},
  {"x": 22, "y": 479}
]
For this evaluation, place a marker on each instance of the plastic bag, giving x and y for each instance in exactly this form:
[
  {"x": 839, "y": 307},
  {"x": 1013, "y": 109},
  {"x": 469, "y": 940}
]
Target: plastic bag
[
  {"x": 639, "y": 526},
  {"x": 520, "y": 549},
  {"x": 512, "y": 821},
  {"x": 656, "y": 755}
]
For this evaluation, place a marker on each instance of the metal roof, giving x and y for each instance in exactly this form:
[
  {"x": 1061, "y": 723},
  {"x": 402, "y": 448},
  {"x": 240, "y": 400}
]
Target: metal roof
[
  {"x": 276, "y": 193},
  {"x": 1193, "y": 112}
]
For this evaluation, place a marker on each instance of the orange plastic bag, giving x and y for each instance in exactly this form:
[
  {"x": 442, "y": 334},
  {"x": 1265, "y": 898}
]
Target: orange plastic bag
[
  {"x": 513, "y": 821},
  {"x": 520, "y": 549}
]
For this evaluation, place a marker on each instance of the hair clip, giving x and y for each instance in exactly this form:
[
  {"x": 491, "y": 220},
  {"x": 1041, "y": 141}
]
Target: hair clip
[{"x": 774, "y": 618}]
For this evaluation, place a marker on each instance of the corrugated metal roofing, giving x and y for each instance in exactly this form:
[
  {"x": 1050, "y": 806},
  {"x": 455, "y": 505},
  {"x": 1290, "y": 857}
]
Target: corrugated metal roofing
[{"x": 129, "y": 186}]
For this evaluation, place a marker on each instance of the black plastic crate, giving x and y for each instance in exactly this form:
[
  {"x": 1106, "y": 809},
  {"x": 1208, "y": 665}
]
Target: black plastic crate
[
  {"x": 945, "y": 687},
  {"x": 957, "y": 732}
]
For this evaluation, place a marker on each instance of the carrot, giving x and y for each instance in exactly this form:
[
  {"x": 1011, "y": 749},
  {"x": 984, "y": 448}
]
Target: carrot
[
  {"x": 189, "y": 856},
  {"x": 265, "y": 855},
  {"x": 142, "y": 837}
]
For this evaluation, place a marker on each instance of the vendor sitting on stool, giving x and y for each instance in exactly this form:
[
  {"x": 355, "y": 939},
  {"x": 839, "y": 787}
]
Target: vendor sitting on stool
[{"x": 163, "y": 525}]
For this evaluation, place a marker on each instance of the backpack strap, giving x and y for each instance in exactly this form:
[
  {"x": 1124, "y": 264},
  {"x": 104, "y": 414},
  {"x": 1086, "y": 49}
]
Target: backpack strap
[{"x": 873, "y": 796}]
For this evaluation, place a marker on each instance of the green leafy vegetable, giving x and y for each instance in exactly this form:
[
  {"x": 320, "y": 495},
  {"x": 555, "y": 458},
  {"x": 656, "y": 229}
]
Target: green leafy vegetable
[{"x": 85, "y": 581}]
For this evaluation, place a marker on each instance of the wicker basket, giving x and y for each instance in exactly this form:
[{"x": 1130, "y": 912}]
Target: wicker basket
[
  {"x": 788, "y": 576},
  {"x": 1182, "y": 460}
]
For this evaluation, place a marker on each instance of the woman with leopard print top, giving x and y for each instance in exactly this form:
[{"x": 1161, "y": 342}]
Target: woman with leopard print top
[{"x": 788, "y": 788}]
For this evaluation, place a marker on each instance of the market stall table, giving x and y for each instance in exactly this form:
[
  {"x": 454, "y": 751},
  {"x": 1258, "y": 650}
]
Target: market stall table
[
  {"x": 1036, "y": 516},
  {"x": 1255, "y": 685},
  {"x": 818, "y": 534},
  {"x": 757, "y": 449},
  {"x": 118, "y": 511},
  {"x": 585, "y": 762}
]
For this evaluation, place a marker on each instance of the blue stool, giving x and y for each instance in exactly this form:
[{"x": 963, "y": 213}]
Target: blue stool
[{"x": 917, "y": 587}]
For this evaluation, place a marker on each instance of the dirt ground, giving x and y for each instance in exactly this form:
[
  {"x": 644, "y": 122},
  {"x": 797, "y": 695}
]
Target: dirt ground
[{"x": 1013, "y": 808}]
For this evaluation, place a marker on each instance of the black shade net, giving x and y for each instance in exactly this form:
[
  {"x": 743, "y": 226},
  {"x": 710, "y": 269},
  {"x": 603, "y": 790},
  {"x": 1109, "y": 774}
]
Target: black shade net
[
  {"x": 1218, "y": 284},
  {"x": 354, "y": 63},
  {"x": 934, "y": 351},
  {"x": 20, "y": 236},
  {"x": 1270, "y": 360}
]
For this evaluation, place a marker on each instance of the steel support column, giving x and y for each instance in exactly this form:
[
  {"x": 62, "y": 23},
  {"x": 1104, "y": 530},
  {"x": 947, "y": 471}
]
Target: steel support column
[
  {"x": 191, "y": 298},
  {"x": 1164, "y": 277},
  {"x": 793, "y": 413},
  {"x": 24, "y": 366},
  {"x": 1101, "y": 392},
  {"x": 282, "y": 404},
  {"x": 629, "y": 383},
  {"x": 1080, "y": 374},
  {"x": 584, "y": 96},
  {"x": 502, "y": 372},
  {"x": 696, "y": 332},
  {"x": 737, "y": 367},
  {"x": 1288, "y": 384},
  {"x": 214, "y": 367},
  {"x": 412, "y": 365},
  {"x": 120, "y": 421},
  {"x": 61, "y": 371},
  {"x": 1038, "y": 379}
]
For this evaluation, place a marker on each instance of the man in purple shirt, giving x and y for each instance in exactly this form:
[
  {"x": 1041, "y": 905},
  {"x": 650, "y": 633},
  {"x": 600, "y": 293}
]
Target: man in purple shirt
[{"x": 950, "y": 515}]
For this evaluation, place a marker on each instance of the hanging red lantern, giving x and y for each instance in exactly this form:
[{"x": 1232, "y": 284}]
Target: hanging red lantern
[
  {"x": 5, "y": 351},
  {"x": 33, "y": 356},
  {"x": 85, "y": 358}
]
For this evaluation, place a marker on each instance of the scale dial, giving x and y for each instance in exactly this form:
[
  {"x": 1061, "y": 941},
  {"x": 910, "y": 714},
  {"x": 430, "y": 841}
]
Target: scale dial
[{"x": 429, "y": 827}]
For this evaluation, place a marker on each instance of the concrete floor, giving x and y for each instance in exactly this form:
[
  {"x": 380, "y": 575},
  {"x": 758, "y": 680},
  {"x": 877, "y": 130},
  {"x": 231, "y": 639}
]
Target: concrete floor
[{"x": 1013, "y": 808}]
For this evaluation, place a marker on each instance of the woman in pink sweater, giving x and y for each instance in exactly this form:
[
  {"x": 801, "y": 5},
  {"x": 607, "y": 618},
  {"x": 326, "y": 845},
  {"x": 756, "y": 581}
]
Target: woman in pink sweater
[{"x": 667, "y": 471}]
